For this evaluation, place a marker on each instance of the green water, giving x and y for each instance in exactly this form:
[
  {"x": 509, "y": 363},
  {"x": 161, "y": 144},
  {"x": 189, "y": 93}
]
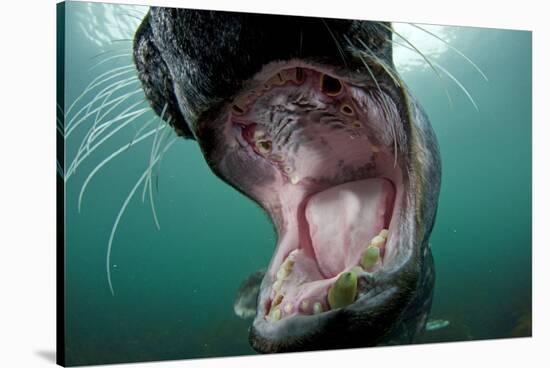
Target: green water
[{"x": 174, "y": 287}]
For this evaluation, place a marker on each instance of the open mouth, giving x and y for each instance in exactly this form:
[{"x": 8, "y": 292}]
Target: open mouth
[
  {"x": 343, "y": 233},
  {"x": 329, "y": 146}
]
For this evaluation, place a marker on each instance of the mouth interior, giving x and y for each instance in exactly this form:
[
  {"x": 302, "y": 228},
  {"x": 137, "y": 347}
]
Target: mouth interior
[
  {"x": 336, "y": 188},
  {"x": 337, "y": 228}
]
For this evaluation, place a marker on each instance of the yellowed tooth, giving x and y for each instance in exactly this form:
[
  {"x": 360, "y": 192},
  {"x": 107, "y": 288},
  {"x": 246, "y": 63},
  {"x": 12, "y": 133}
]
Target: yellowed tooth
[
  {"x": 276, "y": 314},
  {"x": 384, "y": 233},
  {"x": 277, "y": 285},
  {"x": 304, "y": 306},
  {"x": 357, "y": 270},
  {"x": 317, "y": 308},
  {"x": 258, "y": 133},
  {"x": 292, "y": 255},
  {"x": 264, "y": 146},
  {"x": 288, "y": 308},
  {"x": 276, "y": 157},
  {"x": 378, "y": 241},
  {"x": 289, "y": 261},
  {"x": 277, "y": 300},
  {"x": 282, "y": 274},
  {"x": 344, "y": 291},
  {"x": 370, "y": 257}
]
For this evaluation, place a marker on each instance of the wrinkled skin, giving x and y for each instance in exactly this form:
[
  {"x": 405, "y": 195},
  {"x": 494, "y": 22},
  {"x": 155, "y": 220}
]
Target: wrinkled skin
[{"x": 308, "y": 118}]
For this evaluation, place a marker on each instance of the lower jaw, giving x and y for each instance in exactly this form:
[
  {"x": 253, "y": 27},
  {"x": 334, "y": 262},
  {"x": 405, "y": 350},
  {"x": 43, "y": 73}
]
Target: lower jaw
[{"x": 343, "y": 235}]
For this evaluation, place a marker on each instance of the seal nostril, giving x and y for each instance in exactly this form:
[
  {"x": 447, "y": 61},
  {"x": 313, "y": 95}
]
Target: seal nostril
[{"x": 330, "y": 86}]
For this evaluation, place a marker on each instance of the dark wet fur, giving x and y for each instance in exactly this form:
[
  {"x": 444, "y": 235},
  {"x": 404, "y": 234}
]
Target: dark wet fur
[{"x": 214, "y": 53}]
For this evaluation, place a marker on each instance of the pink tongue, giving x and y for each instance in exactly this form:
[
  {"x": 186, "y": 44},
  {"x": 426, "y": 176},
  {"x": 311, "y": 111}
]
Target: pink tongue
[{"x": 343, "y": 219}]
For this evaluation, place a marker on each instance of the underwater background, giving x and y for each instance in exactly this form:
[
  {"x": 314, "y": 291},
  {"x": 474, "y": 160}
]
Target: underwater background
[{"x": 174, "y": 287}]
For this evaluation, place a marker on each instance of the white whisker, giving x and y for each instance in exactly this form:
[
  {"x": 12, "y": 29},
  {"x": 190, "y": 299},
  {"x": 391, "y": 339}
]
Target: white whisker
[
  {"x": 153, "y": 147},
  {"x": 382, "y": 103},
  {"x": 117, "y": 220},
  {"x": 387, "y": 69},
  {"x": 98, "y": 81},
  {"x": 470, "y": 61},
  {"x": 78, "y": 160},
  {"x": 423, "y": 56},
  {"x": 143, "y": 127},
  {"x": 93, "y": 130},
  {"x": 458, "y": 84},
  {"x": 73, "y": 125},
  {"x": 340, "y": 51},
  {"x": 452, "y": 77},
  {"x": 105, "y": 161},
  {"x": 108, "y": 59},
  {"x": 98, "y": 129},
  {"x": 157, "y": 158},
  {"x": 87, "y": 140}
]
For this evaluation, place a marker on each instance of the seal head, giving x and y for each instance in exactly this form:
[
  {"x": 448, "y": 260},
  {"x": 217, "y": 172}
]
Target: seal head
[{"x": 309, "y": 119}]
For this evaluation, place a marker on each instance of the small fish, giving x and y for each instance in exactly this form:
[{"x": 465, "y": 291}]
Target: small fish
[{"x": 436, "y": 324}]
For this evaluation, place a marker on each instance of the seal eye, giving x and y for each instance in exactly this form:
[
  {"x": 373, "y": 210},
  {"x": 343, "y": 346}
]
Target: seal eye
[
  {"x": 264, "y": 146},
  {"x": 330, "y": 86}
]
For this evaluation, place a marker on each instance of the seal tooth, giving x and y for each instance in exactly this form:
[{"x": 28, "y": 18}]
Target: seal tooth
[
  {"x": 277, "y": 300},
  {"x": 264, "y": 146},
  {"x": 317, "y": 308},
  {"x": 276, "y": 157},
  {"x": 370, "y": 257},
  {"x": 282, "y": 274},
  {"x": 258, "y": 134},
  {"x": 378, "y": 241},
  {"x": 285, "y": 269},
  {"x": 288, "y": 308},
  {"x": 344, "y": 291},
  {"x": 357, "y": 270},
  {"x": 277, "y": 285},
  {"x": 384, "y": 233},
  {"x": 292, "y": 255},
  {"x": 294, "y": 179},
  {"x": 276, "y": 314},
  {"x": 304, "y": 306}
]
